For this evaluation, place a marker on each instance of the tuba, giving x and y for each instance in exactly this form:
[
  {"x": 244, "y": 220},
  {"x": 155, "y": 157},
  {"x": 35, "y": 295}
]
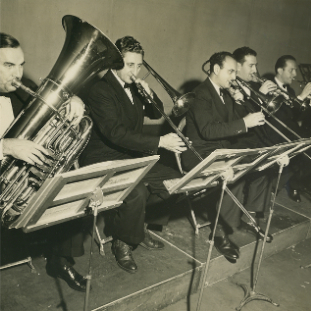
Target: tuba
[{"x": 86, "y": 52}]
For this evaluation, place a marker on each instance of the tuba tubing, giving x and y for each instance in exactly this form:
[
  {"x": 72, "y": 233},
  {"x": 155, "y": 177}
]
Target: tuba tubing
[{"x": 86, "y": 52}]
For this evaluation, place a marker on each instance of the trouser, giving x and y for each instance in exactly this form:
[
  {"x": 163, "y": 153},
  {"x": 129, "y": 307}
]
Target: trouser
[
  {"x": 127, "y": 223},
  {"x": 66, "y": 241}
]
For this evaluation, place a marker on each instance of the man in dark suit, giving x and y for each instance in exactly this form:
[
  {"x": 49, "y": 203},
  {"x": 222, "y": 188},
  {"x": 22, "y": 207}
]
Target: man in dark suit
[
  {"x": 66, "y": 239},
  {"x": 213, "y": 123},
  {"x": 118, "y": 109},
  {"x": 296, "y": 119}
]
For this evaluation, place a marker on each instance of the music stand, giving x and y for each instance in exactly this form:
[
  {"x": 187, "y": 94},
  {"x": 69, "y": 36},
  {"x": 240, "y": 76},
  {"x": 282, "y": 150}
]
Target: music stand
[
  {"x": 78, "y": 193},
  {"x": 281, "y": 156}
]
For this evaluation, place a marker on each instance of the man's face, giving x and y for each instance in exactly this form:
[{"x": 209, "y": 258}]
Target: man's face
[
  {"x": 288, "y": 73},
  {"x": 132, "y": 66},
  {"x": 227, "y": 73},
  {"x": 11, "y": 67},
  {"x": 248, "y": 68}
]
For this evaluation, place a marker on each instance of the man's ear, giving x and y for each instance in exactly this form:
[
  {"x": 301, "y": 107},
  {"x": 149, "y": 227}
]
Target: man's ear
[
  {"x": 280, "y": 71},
  {"x": 216, "y": 69}
]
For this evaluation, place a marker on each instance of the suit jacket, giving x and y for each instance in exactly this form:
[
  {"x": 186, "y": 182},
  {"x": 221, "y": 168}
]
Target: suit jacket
[
  {"x": 118, "y": 124},
  {"x": 211, "y": 124}
]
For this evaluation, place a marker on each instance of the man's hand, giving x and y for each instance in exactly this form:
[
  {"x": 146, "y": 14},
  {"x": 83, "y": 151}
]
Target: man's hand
[
  {"x": 26, "y": 150},
  {"x": 236, "y": 95},
  {"x": 254, "y": 119},
  {"x": 172, "y": 142},
  {"x": 306, "y": 91},
  {"x": 75, "y": 109},
  {"x": 145, "y": 85},
  {"x": 267, "y": 87}
]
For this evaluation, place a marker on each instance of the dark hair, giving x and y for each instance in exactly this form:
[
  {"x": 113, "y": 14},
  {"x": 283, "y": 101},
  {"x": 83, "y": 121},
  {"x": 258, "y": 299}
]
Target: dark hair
[
  {"x": 240, "y": 53},
  {"x": 7, "y": 41},
  {"x": 216, "y": 59},
  {"x": 281, "y": 62},
  {"x": 129, "y": 44}
]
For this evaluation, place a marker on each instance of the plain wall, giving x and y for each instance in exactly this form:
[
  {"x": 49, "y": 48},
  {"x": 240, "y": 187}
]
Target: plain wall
[{"x": 178, "y": 35}]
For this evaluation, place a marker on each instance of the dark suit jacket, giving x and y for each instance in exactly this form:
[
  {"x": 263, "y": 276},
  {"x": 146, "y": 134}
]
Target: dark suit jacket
[
  {"x": 211, "y": 124},
  {"x": 118, "y": 124}
]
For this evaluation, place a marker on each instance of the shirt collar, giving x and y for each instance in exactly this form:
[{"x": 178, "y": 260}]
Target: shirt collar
[
  {"x": 279, "y": 83},
  {"x": 217, "y": 88},
  {"x": 118, "y": 78}
]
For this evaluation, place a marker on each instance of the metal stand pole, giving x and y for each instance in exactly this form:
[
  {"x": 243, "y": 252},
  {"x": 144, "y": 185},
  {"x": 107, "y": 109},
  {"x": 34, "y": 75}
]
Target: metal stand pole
[
  {"x": 96, "y": 201},
  {"x": 251, "y": 294},
  {"x": 227, "y": 175}
]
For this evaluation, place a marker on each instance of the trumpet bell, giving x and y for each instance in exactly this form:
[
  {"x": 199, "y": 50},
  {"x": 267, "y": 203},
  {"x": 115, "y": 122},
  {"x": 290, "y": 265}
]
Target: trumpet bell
[{"x": 183, "y": 103}]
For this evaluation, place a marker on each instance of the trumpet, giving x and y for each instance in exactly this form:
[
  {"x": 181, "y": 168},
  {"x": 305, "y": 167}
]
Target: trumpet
[{"x": 280, "y": 96}]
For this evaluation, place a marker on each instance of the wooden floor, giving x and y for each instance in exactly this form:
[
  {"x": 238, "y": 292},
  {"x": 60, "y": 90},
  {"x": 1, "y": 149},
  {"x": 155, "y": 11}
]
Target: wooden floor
[{"x": 163, "y": 277}]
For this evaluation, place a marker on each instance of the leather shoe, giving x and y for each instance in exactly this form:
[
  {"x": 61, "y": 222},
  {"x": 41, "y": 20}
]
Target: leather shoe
[
  {"x": 150, "y": 243},
  {"x": 123, "y": 254},
  {"x": 74, "y": 280},
  {"x": 226, "y": 247},
  {"x": 246, "y": 228},
  {"x": 294, "y": 194}
]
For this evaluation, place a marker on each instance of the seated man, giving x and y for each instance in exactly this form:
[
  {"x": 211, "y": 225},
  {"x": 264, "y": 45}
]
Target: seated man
[
  {"x": 213, "y": 123},
  {"x": 67, "y": 238},
  {"x": 295, "y": 118},
  {"x": 118, "y": 109}
]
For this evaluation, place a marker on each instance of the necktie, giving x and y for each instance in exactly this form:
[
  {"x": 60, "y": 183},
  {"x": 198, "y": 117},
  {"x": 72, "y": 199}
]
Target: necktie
[{"x": 127, "y": 85}]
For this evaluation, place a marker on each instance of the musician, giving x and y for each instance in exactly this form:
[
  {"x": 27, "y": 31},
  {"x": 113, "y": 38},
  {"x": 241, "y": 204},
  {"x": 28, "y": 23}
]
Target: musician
[
  {"x": 296, "y": 119},
  {"x": 213, "y": 123},
  {"x": 118, "y": 109},
  {"x": 67, "y": 238}
]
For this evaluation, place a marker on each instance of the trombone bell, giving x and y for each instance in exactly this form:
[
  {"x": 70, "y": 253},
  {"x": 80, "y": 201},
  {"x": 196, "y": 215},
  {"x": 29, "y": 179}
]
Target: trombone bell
[{"x": 182, "y": 104}]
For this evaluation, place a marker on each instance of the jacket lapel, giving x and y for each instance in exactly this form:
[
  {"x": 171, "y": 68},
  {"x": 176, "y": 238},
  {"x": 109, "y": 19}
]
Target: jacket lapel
[{"x": 221, "y": 108}]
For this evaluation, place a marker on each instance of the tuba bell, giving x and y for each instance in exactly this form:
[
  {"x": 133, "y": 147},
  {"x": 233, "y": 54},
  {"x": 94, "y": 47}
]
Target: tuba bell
[{"x": 86, "y": 52}]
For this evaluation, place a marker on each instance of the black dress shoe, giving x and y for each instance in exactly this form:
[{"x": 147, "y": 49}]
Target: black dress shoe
[
  {"x": 150, "y": 243},
  {"x": 294, "y": 194},
  {"x": 75, "y": 280},
  {"x": 226, "y": 247},
  {"x": 246, "y": 228},
  {"x": 123, "y": 254}
]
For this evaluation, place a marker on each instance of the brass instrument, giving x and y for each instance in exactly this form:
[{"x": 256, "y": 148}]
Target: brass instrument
[
  {"x": 181, "y": 104},
  {"x": 86, "y": 52},
  {"x": 240, "y": 82},
  {"x": 278, "y": 97}
]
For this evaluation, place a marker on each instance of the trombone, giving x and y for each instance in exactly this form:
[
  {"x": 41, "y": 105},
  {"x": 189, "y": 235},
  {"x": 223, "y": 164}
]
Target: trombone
[
  {"x": 181, "y": 104},
  {"x": 280, "y": 96},
  {"x": 266, "y": 108}
]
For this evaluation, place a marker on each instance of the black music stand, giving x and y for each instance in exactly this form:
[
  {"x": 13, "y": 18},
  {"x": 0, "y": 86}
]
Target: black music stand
[
  {"x": 229, "y": 165},
  {"x": 88, "y": 190},
  {"x": 225, "y": 166},
  {"x": 281, "y": 156}
]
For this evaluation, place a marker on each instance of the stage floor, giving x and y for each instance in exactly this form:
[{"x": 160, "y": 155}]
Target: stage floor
[{"x": 163, "y": 277}]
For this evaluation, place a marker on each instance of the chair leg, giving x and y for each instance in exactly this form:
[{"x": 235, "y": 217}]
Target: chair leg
[{"x": 194, "y": 219}]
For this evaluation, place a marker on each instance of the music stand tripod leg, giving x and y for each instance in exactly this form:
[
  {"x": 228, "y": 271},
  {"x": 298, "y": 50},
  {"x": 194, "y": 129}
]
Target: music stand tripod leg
[
  {"x": 96, "y": 201},
  {"x": 252, "y": 295},
  {"x": 211, "y": 242}
]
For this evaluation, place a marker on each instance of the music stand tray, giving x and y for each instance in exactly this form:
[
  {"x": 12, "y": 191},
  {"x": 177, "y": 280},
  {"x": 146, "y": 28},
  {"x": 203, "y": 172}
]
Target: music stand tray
[{"x": 67, "y": 196}]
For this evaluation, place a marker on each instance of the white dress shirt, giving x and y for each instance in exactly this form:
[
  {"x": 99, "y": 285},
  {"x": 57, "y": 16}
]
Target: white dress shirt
[
  {"x": 6, "y": 118},
  {"x": 217, "y": 88},
  {"x": 127, "y": 90}
]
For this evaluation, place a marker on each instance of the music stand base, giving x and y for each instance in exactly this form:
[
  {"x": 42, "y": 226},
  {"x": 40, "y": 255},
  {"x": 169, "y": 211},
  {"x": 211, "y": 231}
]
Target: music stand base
[{"x": 251, "y": 295}]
